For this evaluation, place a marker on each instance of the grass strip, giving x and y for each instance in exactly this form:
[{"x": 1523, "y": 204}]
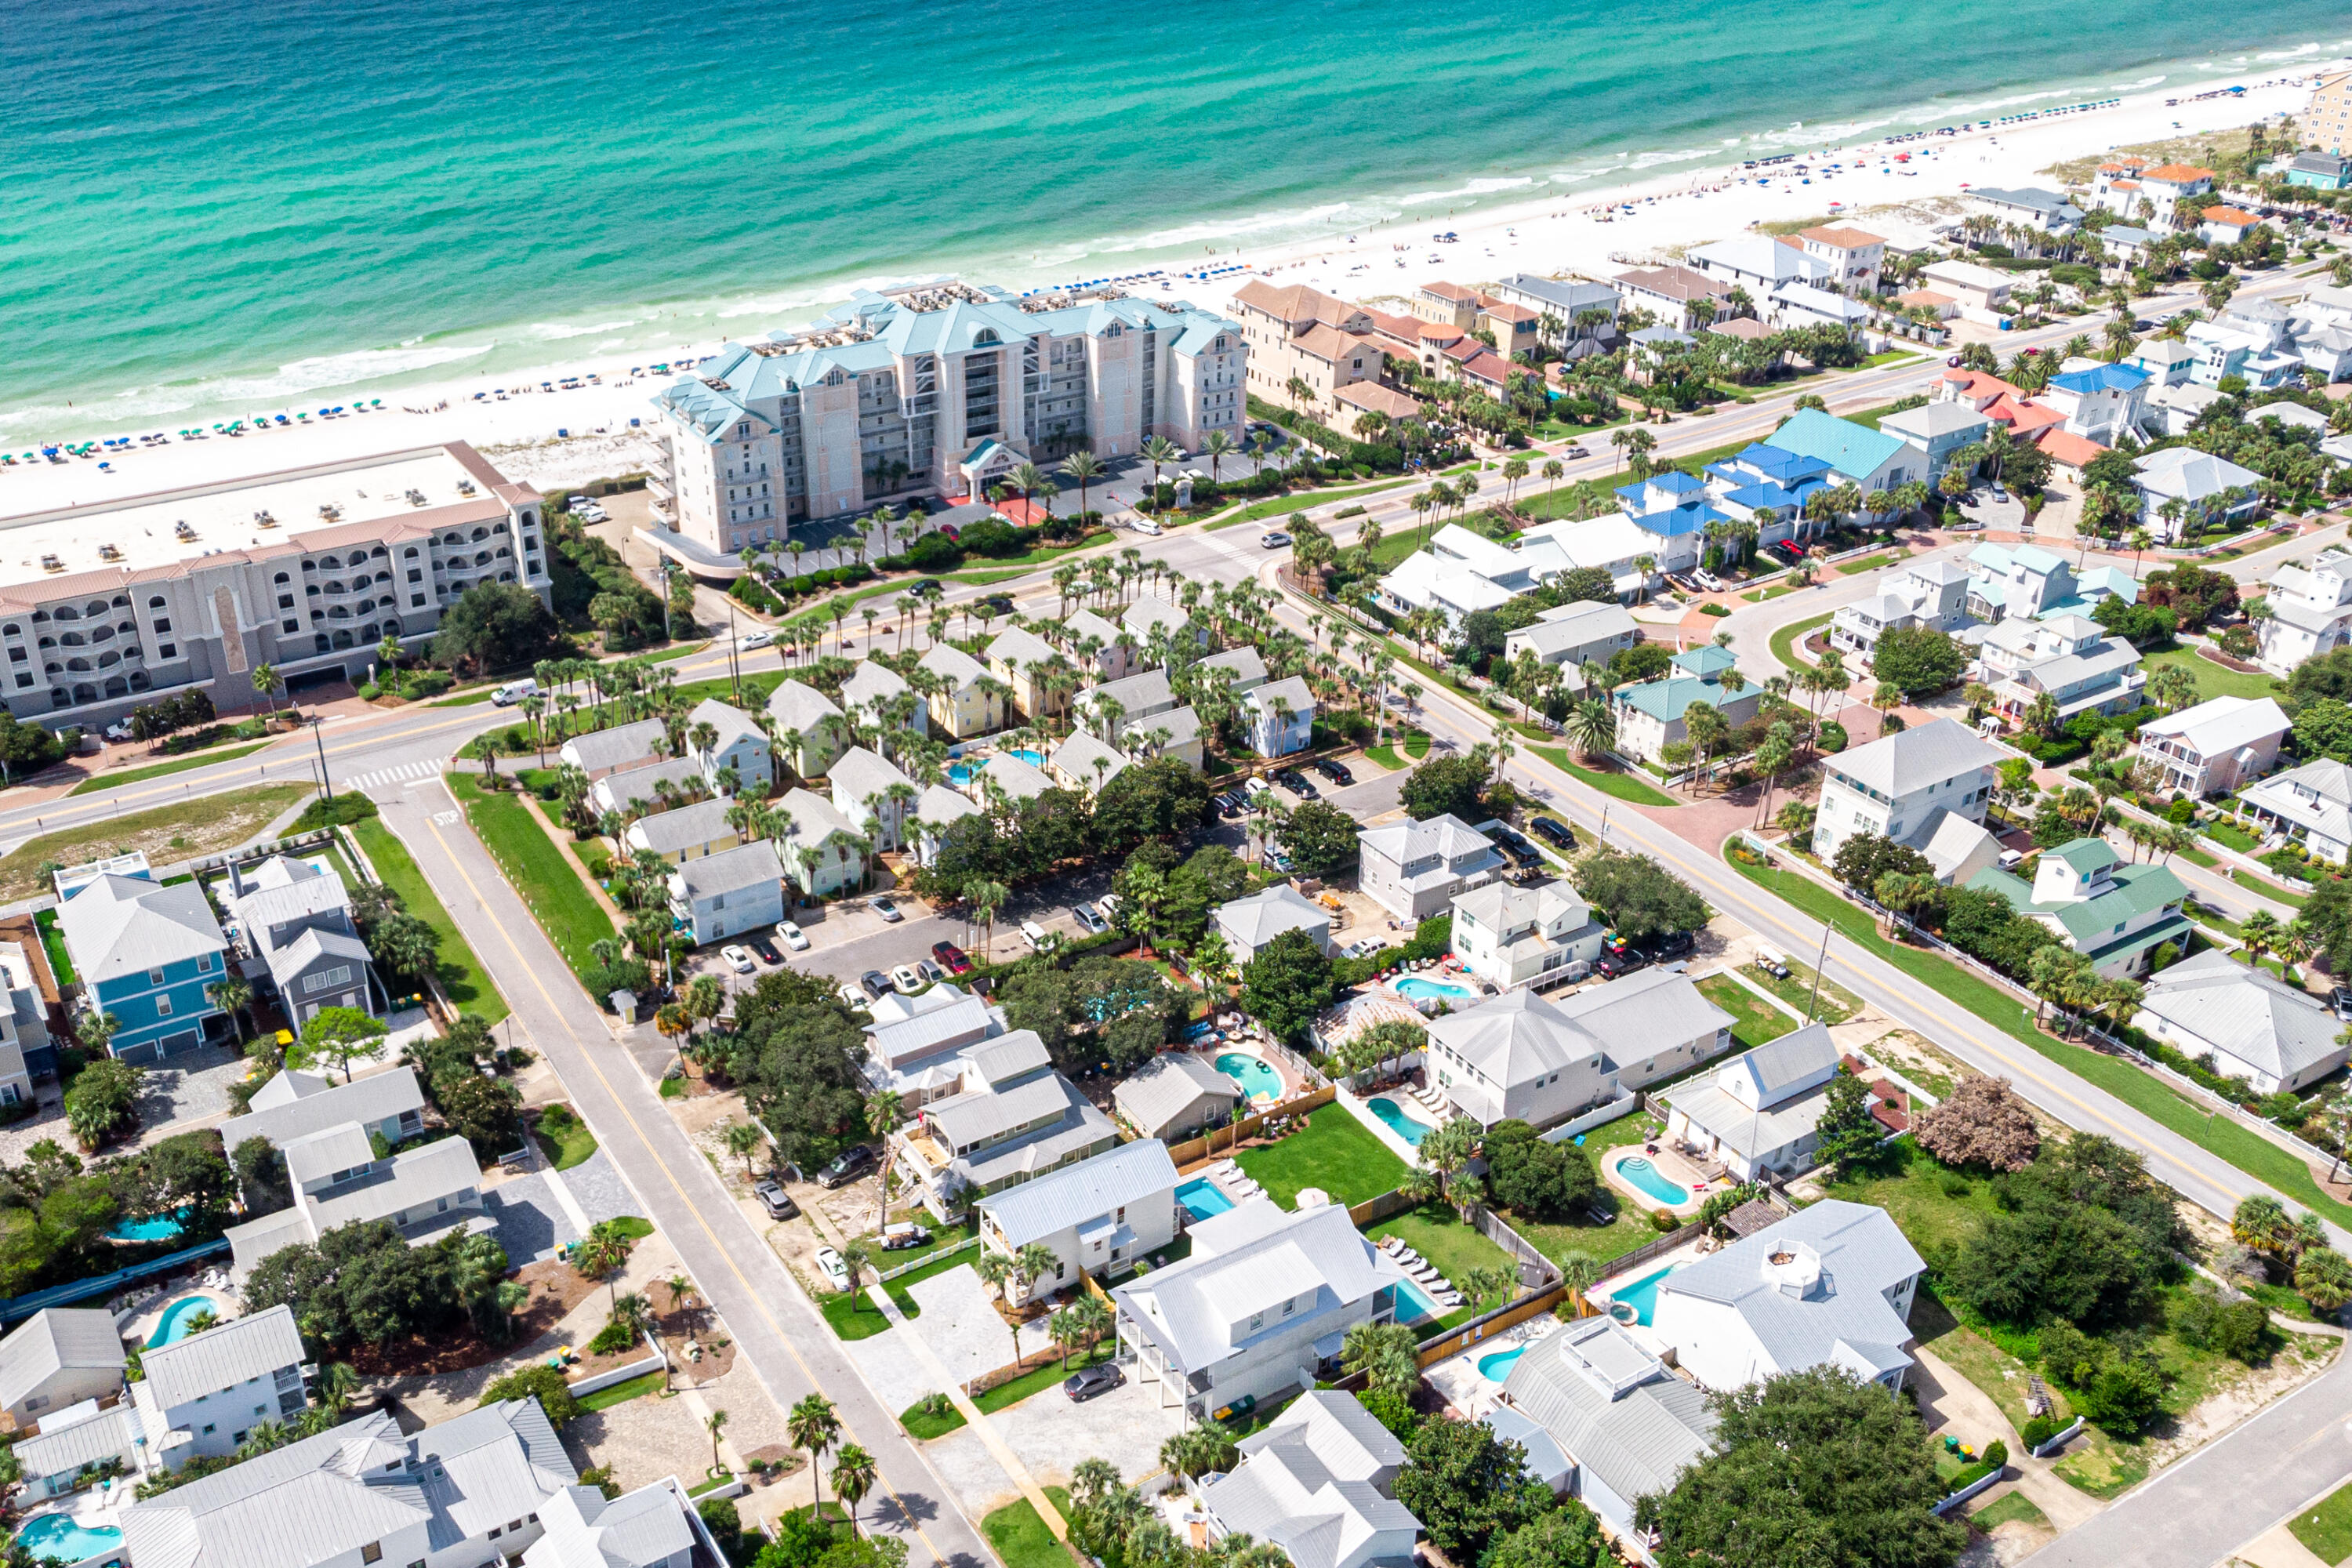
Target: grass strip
[
  {"x": 923, "y": 1425},
  {"x": 1867, "y": 564},
  {"x": 183, "y": 830},
  {"x": 1753, "y": 1019},
  {"x": 2326, "y": 1526},
  {"x": 542, "y": 877},
  {"x": 2221, "y": 1136},
  {"x": 53, "y": 943},
  {"x": 1621, "y": 785},
  {"x": 621, "y": 1392},
  {"x": 1020, "y": 1537},
  {"x": 1036, "y": 1380},
  {"x": 463, "y": 979},
  {"x": 180, "y": 765},
  {"x": 1785, "y": 640}
]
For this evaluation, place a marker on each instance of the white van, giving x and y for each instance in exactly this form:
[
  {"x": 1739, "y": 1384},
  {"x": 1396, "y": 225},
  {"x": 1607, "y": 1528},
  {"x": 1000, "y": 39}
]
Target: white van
[
  {"x": 514, "y": 691},
  {"x": 1257, "y": 786},
  {"x": 1033, "y": 935}
]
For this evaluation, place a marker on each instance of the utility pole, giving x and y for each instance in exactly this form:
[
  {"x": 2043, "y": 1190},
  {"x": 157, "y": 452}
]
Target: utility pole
[
  {"x": 326, "y": 785},
  {"x": 1813, "y": 1008}
]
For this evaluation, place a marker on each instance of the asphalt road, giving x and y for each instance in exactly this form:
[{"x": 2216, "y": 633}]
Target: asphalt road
[{"x": 785, "y": 1342}]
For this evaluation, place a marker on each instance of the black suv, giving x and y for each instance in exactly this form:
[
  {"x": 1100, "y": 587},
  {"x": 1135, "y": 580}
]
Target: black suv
[
  {"x": 1556, "y": 830},
  {"x": 852, "y": 1164},
  {"x": 1296, "y": 783},
  {"x": 1673, "y": 944},
  {"x": 1336, "y": 772}
]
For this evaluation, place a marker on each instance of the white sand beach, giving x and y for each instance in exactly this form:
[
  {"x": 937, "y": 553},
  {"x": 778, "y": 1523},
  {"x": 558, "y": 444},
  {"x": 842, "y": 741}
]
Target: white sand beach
[{"x": 1596, "y": 236}]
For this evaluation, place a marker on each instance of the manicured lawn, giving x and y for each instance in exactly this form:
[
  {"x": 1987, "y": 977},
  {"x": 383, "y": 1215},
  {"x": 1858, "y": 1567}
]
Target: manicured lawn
[
  {"x": 1867, "y": 564},
  {"x": 566, "y": 1141},
  {"x": 1753, "y": 1019},
  {"x": 943, "y": 1236},
  {"x": 2248, "y": 1151},
  {"x": 1416, "y": 744},
  {"x": 2326, "y": 1526},
  {"x": 1621, "y": 786},
  {"x": 1765, "y": 595},
  {"x": 177, "y": 766},
  {"x": 1334, "y": 1151},
  {"x": 852, "y": 1315},
  {"x": 1385, "y": 756},
  {"x": 924, "y": 1426},
  {"x": 2212, "y": 680},
  {"x": 1021, "y": 1539},
  {"x": 462, "y": 976},
  {"x": 1299, "y": 500},
  {"x": 53, "y": 943},
  {"x": 559, "y": 900},
  {"x": 2233, "y": 836},
  {"x": 634, "y": 1227},
  {"x": 168, "y": 834},
  {"x": 1631, "y": 1226},
  {"x": 1453, "y": 1248},
  {"x": 1785, "y": 640},
  {"x": 2010, "y": 1508},
  {"x": 1834, "y": 1004},
  {"x": 1037, "y": 1380},
  {"x": 621, "y": 1392}
]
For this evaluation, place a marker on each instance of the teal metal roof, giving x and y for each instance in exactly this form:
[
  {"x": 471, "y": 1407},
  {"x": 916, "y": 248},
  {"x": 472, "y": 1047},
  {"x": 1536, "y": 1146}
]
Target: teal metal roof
[
  {"x": 1705, "y": 661},
  {"x": 1667, "y": 698},
  {"x": 1852, "y": 449},
  {"x": 2088, "y": 855}
]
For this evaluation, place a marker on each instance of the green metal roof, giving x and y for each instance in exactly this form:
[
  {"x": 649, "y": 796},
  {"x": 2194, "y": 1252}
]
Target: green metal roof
[{"x": 2088, "y": 855}]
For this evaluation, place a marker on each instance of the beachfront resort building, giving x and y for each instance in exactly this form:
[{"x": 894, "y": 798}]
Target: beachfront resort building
[
  {"x": 2245, "y": 1022},
  {"x": 933, "y": 389},
  {"x": 1903, "y": 786},
  {"x": 1304, "y": 335},
  {"x": 1261, "y": 1306},
  {"x": 2116, "y": 915},
  {"x": 308, "y": 571},
  {"x": 1519, "y": 1057},
  {"x": 2311, "y": 611},
  {"x": 1829, "y": 1285},
  {"x": 2216, "y": 747}
]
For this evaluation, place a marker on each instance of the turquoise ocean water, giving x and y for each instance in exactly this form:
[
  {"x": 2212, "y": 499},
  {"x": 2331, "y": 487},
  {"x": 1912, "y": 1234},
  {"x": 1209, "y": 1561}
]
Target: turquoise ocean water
[{"x": 221, "y": 204}]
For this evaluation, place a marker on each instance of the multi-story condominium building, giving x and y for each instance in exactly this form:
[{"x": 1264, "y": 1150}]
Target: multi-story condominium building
[
  {"x": 1900, "y": 784},
  {"x": 1300, "y": 333},
  {"x": 147, "y": 954},
  {"x": 1519, "y": 1057},
  {"x": 2217, "y": 747},
  {"x": 2328, "y": 119},
  {"x": 1580, "y": 314},
  {"x": 307, "y": 571},
  {"x": 1516, "y": 937},
  {"x": 2311, "y": 611},
  {"x": 1414, "y": 868},
  {"x": 2115, "y": 915},
  {"x": 2065, "y": 658},
  {"x": 1100, "y": 1217},
  {"x": 935, "y": 389},
  {"x": 1932, "y": 594},
  {"x": 1260, "y": 1306}
]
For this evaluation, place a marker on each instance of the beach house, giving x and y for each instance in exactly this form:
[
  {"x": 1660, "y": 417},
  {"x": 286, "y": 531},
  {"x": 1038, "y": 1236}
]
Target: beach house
[
  {"x": 1280, "y": 716},
  {"x": 875, "y": 795},
  {"x": 1022, "y": 660},
  {"x": 1573, "y": 636},
  {"x": 1513, "y": 937},
  {"x": 1414, "y": 868},
  {"x": 917, "y": 1046},
  {"x": 2116, "y": 915},
  {"x": 2311, "y": 611},
  {"x": 2029, "y": 206},
  {"x": 2310, "y": 806},
  {"x": 966, "y": 700},
  {"x": 821, "y": 849},
  {"x": 1762, "y": 1110},
  {"x": 2026, "y": 582},
  {"x": 1669, "y": 292},
  {"x": 149, "y": 956},
  {"x": 425, "y": 1191},
  {"x": 388, "y": 1105},
  {"x": 2208, "y": 489},
  {"x": 1929, "y": 593},
  {"x": 1652, "y": 714},
  {"x": 878, "y": 697},
  {"x": 118, "y": 601},
  {"x": 1249, "y": 924},
  {"x": 2245, "y": 1022},
  {"x": 656, "y": 783},
  {"x": 1084, "y": 764},
  {"x": 939, "y": 809},
  {"x": 1099, "y": 1217},
  {"x": 1011, "y": 1120},
  {"x": 955, "y": 382},
  {"x": 1260, "y": 1307},
  {"x": 57, "y": 1358},
  {"x": 1830, "y": 1285},
  {"x": 1868, "y": 460},
  {"x": 2216, "y": 747},
  {"x": 1902, "y": 785},
  {"x": 686, "y": 833},
  {"x": 735, "y": 744},
  {"x": 204, "y": 1394},
  {"x": 294, "y": 920},
  {"x": 2070, "y": 660},
  {"x": 729, "y": 893},
  {"x": 1519, "y": 1057},
  {"x": 609, "y": 751},
  {"x": 1175, "y": 1096},
  {"x": 1938, "y": 429},
  {"x": 1319, "y": 1483},
  {"x": 810, "y": 730}
]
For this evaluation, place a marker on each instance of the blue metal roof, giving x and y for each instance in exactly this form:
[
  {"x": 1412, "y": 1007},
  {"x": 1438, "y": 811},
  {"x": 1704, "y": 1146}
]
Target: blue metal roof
[
  {"x": 1852, "y": 449},
  {"x": 2102, "y": 378},
  {"x": 1675, "y": 522}
]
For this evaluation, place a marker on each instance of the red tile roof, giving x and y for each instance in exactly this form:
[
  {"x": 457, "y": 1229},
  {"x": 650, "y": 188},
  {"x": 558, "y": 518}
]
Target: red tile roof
[
  {"x": 2177, "y": 173},
  {"x": 2236, "y": 217},
  {"x": 2065, "y": 447}
]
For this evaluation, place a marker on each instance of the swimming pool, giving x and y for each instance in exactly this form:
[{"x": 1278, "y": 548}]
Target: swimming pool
[
  {"x": 1497, "y": 1367},
  {"x": 59, "y": 1535},
  {"x": 1414, "y": 1304},
  {"x": 173, "y": 1328},
  {"x": 1034, "y": 759},
  {"x": 1393, "y": 1116},
  {"x": 1647, "y": 1177},
  {"x": 1259, "y": 1080},
  {"x": 1415, "y": 988},
  {"x": 958, "y": 776},
  {"x": 1641, "y": 1295},
  {"x": 154, "y": 1227},
  {"x": 1202, "y": 1198}
]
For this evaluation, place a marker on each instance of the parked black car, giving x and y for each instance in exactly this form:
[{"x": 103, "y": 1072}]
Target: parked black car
[
  {"x": 776, "y": 1200},
  {"x": 1093, "y": 1380},
  {"x": 1296, "y": 783},
  {"x": 852, "y": 1164},
  {"x": 1228, "y": 803},
  {"x": 1673, "y": 944},
  {"x": 1336, "y": 772},
  {"x": 765, "y": 949},
  {"x": 1556, "y": 830},
  {"x": 874, "y": 984}
]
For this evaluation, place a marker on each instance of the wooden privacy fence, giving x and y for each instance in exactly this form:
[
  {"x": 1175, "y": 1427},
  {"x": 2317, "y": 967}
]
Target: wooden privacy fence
[{"x": 1196, "y": 1151}]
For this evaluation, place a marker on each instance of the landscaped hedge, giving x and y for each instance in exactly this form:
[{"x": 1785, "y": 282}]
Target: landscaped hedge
[
  {"x": 1432, "y": 939},
  {"x": 749, "y": 590},
  {"x": 1387, "y": 460}
]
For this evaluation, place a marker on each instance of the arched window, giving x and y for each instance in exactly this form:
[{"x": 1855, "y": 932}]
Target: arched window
[
  {"x": 12, "y": 629},
  {"x": 85, "y": 692},
  {"x": 409, "y": 553},
  {"x": 331, "y": 562},
  {"x": 79, "y": 664},
  {"x": 282, "y": 579},
  {"x": 73, "y": 639},
  {"x": 67, "y": 613},
  {"x": 117, "y": 687},
  {"x": 139, "y": 681},
  {"x": 321, "y": 645},
  {"x": 156, "y": 603}
]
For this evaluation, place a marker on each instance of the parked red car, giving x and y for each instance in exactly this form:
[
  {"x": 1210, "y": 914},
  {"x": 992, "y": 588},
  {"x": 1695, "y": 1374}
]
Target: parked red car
[{"x": 951, "y": 957}]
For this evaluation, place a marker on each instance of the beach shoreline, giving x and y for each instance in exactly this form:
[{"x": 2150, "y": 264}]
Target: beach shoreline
[{"x": 1647, "y": 220}]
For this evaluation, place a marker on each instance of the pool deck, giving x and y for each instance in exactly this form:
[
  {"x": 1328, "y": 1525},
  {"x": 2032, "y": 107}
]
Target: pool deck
[
  {"x": 1602, "y": 1294},
  {"x": 1360, "y": 1109},
  {"x": 1245, "y": 1047},
  {"x": 1467, "y": 1389},
  {"x": 1671, "y": 1165}
]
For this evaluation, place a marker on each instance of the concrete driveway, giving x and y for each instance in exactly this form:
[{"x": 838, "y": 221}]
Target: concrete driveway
[{"x": 1052, "y": 1435}]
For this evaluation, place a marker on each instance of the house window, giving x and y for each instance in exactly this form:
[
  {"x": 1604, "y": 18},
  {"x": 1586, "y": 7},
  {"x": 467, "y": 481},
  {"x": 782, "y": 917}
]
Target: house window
[
  {"x": 203, "y": 963},
  {"x": 162, "y": 1007},
  {"x": 154, "y": 977},
  {"x": 372, "y": 1553}
]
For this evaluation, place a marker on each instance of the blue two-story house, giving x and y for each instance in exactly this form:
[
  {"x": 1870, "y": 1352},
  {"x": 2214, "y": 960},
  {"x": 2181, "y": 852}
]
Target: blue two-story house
[
  {"x": 1769, "y": 487},
  {"x": 1281, "y": 717},
  {"x": 1671, "y": 507},
  {"x": 146, "y": 953}
]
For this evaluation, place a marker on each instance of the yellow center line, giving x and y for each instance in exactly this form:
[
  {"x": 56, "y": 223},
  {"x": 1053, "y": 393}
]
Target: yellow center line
[{"x": 634, "y": 1126}]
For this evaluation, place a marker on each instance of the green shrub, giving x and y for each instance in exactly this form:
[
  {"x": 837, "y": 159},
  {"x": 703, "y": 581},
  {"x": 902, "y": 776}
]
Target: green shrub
[
  {"x": 341, "y": 811},
  {"x": 612, "y": 1339},
  {"x": 2040, "y": 1430}
]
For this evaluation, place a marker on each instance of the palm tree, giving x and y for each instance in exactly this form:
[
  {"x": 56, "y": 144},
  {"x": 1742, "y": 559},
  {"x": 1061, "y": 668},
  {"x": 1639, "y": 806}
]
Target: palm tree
[
  {"x": 1159, "y": 451},
  {"x": 232, "y": 996},
  {"x": 1217, "y": 446},
  {"x": 854, "y": 1475},
  {"x": 714, "y": 1423},
  {"x": 812, "y": 1426},
  {"x": 743, "y": 1141},
  {"x": 1086, "y": 469},
  {"x": 267, "y": 683}
]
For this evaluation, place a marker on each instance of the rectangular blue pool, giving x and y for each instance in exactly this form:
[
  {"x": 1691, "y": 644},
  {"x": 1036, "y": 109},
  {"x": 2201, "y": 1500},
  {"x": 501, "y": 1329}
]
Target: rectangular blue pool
[
  {"x": 1641, "y": 1295},
  {"x": 1414, "y": 1306},
  {"x": 1202, "y": 1199}
]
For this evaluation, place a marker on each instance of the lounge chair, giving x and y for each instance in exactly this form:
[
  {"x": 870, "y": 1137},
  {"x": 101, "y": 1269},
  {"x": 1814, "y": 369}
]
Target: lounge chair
[
  {"x": 1445, "y": 1298},
  {"x": 1426, "y": 1274},
  {"x": 1393, "y": 1246}
]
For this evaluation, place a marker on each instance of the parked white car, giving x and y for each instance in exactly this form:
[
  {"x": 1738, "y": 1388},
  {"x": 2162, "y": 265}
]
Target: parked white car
[
  {"x": 739, "y": 959},
  {"x": 759, "y": 638},
  {"x": 794, "y": 938},
  {"x": 835, "y": 1272}
]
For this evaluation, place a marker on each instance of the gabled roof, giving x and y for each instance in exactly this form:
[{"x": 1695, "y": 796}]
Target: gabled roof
[
  {"x": 601, "y": 750},
  {"x": 1018, "y": 778},
  {"x": 1407, "y": 841},
  {"x": 795, "y": 706},
  {"x": 732, "y": 723},
  {"x": 2220, "y": 726},
  {"x": 859, "y": 773},
  {"x": 1163, "y": 1087},
  {"x": 752, "y": 865},
  {"x": 651, "y": 1527},
  {"x": 1149, "y": 611},
  {"x": 378, "y": 1096},
  {"x": 1516, "y": 1038},
  {"x": 1293, "y": 691},
  {"x": 221, "y": 1357},
  {"x": 1268, "y": 912},
  {"x": 1855, "y": 450},
  {"x": 641, "y": 781},
  {"x": 1130, "y": 1174},
  {"x": 1897, "y": 764},
  {"x": 941, "y": 806},
  {"x": 668, "y": 832},
  {"x": 123, "y": 925},
  {"x": 871, "y": 684},
  {"x": 2247, "y": 1012},
  {"x": 810, "y": 819},
  {"x": 1020, "y": 647},
  {"x": 56, "y": 1340},
  {"x": 1245, "y": 1259},
  {"x": 2173, "y": 471},
  {"x": 1644, "y": 1013}
]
